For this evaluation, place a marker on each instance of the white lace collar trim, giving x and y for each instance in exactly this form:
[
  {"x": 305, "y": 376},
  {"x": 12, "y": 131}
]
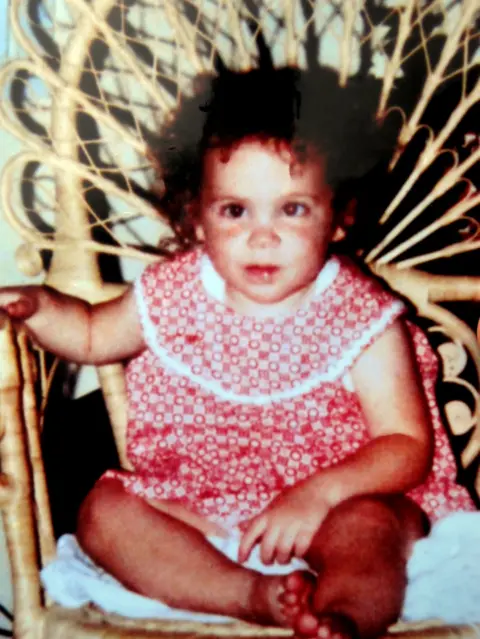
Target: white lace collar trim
[
  {"x": 331, "y": 374},
  {"x": 214, "y": 284}
]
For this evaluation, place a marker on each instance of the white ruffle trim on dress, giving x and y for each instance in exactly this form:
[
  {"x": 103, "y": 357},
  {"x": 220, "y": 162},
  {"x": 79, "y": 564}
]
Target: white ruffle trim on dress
[
  {"x": 333, "y": 372},
  {"x": 443, "y": 577}
]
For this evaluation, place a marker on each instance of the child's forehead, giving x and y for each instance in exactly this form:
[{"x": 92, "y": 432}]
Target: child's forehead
[{"x": 277, "y": 155}]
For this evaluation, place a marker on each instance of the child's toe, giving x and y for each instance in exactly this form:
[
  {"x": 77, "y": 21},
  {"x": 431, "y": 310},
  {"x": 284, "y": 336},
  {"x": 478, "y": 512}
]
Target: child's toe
[{"x": 336, "y": 626}]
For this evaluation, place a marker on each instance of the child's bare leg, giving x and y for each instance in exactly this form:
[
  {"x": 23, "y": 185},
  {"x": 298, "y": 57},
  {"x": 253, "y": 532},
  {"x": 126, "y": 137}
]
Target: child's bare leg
[
  {"x": 360, "y": 554},
  {"x": 161, "y": 557}
]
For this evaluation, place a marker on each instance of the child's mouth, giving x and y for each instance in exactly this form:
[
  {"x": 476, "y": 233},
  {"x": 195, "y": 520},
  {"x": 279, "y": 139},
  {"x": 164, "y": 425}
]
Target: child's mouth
[{"x": 262, "y": 273}]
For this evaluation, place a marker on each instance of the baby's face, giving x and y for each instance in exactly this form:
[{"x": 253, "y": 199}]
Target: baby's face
[{"x": 266, "y": 227}]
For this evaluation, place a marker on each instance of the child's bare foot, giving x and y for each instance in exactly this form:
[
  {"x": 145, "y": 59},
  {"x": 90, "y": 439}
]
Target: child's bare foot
[
  {"x": 297, "y": 590},
  {"x": 328, "y": 626},
  {"x": 298, "y": 608},
  {"x": 287, "y": 601},
  {"x": 281, "y": 601}
]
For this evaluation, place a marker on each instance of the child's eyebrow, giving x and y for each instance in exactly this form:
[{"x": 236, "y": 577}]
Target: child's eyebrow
[
  {"x": 214, "y": 195},
  {"x": 316, "y": 197},
  {"x": 210, "y": 195}
]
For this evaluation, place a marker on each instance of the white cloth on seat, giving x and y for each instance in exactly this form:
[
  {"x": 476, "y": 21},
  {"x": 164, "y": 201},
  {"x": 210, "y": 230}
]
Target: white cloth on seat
[
  {"x": 74, "y": 580},
  {"x": 444, "y": 572},
  {"x": 443, "y": 577}
]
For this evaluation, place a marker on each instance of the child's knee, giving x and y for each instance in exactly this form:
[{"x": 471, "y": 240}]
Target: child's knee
[
  {"x": 388, "y": 523},
  {"x": 358, "y": 525},
  {"x": 98, "y": 514},
  {"x": 388, "y": 511},
  {"x": 365, "y": 510}
]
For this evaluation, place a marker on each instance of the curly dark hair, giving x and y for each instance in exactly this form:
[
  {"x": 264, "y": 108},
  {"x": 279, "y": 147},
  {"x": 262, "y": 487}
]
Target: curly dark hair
[{"x": 302, "y": 108}]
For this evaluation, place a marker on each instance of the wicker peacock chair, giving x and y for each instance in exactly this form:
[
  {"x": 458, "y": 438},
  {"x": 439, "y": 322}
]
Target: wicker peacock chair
[{"x": 115, "y": 69}]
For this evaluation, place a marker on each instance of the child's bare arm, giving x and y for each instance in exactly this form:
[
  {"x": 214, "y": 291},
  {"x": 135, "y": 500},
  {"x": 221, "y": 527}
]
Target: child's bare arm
[
  {"x": 395, "y": 460},
  {"x": 399, "y": 455},
  {"x": 74, "y": 329}
]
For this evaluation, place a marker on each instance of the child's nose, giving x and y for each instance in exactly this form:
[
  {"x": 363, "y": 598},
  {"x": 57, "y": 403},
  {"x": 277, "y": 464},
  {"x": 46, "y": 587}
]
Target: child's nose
[{"x": 263, "y": 236}]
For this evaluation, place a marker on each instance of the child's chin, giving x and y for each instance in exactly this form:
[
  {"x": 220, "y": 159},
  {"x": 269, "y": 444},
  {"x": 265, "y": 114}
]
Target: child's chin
[
  {"x": 278, "y": 302},
  {"x": 265, "y": 296}
]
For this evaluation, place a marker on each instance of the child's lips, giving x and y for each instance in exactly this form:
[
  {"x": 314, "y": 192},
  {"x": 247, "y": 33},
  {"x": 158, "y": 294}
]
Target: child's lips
[{"x": 263, "y": 273}]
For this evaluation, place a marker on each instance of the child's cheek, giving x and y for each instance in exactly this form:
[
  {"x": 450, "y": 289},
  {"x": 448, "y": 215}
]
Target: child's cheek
[
  {"x": 309, "y": 233},
  {"x": 230, "y": 231}
]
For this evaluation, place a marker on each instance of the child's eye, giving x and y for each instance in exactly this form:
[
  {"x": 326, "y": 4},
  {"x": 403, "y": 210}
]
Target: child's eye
[
  {"x": 295, "y": 209},
  {"x": 234, "y": 211}
]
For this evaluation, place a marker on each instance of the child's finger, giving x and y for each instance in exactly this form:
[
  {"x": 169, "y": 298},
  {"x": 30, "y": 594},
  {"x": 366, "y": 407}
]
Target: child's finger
[
  {"x": 8, "y": 297},
  {"x": 303, "y": 542},
  {"x": 20, "y": 310},
  {"x": 286, "y": 543},
  {"x": 250, "y": 538},
  {"x": 268, "y": 545},
  {"x": 16, "y": 305}
]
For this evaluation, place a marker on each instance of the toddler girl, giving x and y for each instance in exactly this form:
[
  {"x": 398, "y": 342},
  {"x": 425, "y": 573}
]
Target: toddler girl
[{"x": 275, "y": 392}]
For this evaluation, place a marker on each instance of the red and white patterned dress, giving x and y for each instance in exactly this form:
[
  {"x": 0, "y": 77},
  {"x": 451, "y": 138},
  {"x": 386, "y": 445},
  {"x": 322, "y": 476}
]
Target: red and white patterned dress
[{"x": 227, "y": 410}]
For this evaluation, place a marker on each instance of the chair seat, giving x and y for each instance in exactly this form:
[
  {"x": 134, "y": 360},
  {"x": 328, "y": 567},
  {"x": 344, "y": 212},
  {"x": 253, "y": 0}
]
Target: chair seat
[{"x": 91, "y": 622}]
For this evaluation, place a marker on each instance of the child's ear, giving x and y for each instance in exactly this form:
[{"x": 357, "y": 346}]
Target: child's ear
[
  {"x": 345, "y": 221},
  {"x": 199, "y": 232},
  {"x": 339, "y": 234},
  {"x": 192, "y": 211}
]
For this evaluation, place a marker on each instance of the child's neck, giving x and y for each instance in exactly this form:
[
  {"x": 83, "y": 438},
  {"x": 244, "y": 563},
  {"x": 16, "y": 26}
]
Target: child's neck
[
  {"x": 246, "y": 306},
  {"x": 233, "y": 298}
]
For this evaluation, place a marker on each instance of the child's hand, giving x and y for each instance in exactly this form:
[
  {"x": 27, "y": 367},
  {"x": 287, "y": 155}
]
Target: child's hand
[
  {"x": 73, "y": 329},
  {"x": 287, "y": 526},
  {"x": 19, "y": 303}
]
